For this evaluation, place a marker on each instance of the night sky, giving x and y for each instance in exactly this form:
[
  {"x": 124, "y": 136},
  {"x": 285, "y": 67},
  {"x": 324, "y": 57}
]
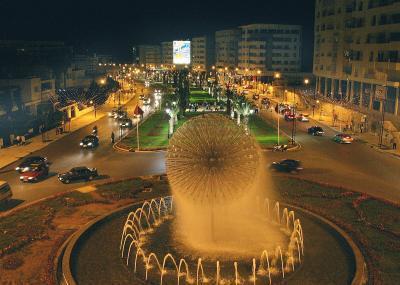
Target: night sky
[{"x": 113, "y": 26}]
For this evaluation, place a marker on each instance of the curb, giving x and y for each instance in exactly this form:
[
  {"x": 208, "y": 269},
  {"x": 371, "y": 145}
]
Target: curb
[{"x": 360, "y": 265}]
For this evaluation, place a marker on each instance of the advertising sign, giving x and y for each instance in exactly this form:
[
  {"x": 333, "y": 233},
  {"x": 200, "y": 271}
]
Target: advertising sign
[{"x": 181, "y": 52}]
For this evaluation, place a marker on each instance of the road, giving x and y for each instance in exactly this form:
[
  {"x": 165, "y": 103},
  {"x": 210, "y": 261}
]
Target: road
[
  {"x": 66, "y": 153},
  {"x": 356, "y": 166}
]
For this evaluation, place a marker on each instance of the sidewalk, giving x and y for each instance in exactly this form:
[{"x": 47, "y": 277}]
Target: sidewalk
[{"x": 13, "y": 153}]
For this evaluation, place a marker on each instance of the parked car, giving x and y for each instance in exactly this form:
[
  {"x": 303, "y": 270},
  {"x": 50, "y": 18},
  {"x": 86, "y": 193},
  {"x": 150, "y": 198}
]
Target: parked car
[
  {"x": 303, "y": 118},
  {"x": 5, "y": 192},
  {"x": 26, "y": 164},
  {"x": 120, "y": 114},
  {"x": 78, "y": 173},
  {"x": 316, "y": 131},
  {"x": 343, "y": 138},
  {"x": 287, "y": 165},
  {"x": 90, "y": 141},
  {"x": 141, "y": 97},
  {"x": 36, "y": 173},
  {"x": 126, "y": 123}
]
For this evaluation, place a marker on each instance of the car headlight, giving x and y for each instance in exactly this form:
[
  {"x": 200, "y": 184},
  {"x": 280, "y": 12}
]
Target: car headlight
[
  {"x": 17, "y": 168},
  {"x": 90, "y": 143},
  {"x": 21, "y": 177},
  {"x": 81, "y": 144},
  {"x": 30, "y": 178}
]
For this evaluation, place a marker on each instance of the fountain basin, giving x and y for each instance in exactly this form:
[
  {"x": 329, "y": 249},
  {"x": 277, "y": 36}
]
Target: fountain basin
[{"x": 93, "y": 256}]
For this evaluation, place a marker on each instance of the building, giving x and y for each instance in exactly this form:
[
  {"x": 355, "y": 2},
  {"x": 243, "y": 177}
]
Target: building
[
  {"x": 166, "y": 53},
  {"x": 357, "y": 52},
  {"x": 203, "y": 52},
  {"x": 29, "y": 93},
  {"x": 149, "y": 55},
  {"x": 226, "y": 48},
  {"x": 268, "y": 48}
]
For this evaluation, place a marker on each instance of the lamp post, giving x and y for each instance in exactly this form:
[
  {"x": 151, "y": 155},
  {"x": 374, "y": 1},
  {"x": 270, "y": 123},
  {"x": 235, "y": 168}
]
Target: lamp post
[{"x": 94, "y": 106}]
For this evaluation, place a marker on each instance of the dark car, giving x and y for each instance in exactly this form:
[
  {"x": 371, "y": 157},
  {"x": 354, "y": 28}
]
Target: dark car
[
  {"x": 126, "y": 123},
  {"x": 36, "y": 173},
  {"x": 315, "y": 131},
  {"x": 26, "y": 165},
  {"x": 287, "y": 165},
  {"x": 78, "y": 173},
  {"x": 290, "y": 117},
  {"x": 90, "y": 141}
]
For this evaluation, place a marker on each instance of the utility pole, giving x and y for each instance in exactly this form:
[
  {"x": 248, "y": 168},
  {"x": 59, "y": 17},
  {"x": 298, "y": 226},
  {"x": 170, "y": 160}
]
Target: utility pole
[
  {"x": 294, "y": 116},
  {"x": 137, "y": 134}
]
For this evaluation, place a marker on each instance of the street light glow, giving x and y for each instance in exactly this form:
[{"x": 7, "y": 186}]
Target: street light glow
[{"x": 306, "y": 81}]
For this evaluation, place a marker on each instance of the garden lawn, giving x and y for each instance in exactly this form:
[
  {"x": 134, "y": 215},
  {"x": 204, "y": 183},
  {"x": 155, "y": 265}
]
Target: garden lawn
[
  {"x": 153, "y": 133},
  {"x": 198, "y": 95},
  {"x": 265, "y": 134}
]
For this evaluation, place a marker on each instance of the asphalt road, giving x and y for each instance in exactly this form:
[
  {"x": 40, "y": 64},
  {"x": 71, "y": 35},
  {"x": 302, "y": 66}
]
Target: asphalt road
[
  {"x": 355, "y": 166},
  {"x": 66, "y": 153}
]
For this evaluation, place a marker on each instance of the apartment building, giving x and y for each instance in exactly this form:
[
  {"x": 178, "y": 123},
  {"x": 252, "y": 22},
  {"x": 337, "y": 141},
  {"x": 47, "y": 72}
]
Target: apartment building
[
  {"x": 226, "y": 48},
  {"x": 268, "y": 48},
  {"x": 357, "y": 52},
  {"x": 203, "y": 52},
  {"x": 149, "y": 54},
  {"x": 166, "y": 53}
]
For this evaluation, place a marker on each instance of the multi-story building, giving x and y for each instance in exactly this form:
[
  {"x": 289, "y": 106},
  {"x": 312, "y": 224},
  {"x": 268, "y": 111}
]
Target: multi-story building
[
  {"x": 226, "y": 48},
  {"x": 203, "y": 51},
  {"x": 31, "y": 92},
  {"x": 357, "y": 52},
  {"x": 149, "y": 54},
  {"x": 166, "y": 54},
  {"x": 268, "y": 48}
]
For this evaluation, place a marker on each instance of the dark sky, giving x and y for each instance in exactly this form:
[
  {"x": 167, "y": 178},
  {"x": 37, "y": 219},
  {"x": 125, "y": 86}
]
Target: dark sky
[{"x": 114, "y": 25}]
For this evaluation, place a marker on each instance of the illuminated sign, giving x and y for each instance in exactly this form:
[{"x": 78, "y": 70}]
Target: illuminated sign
[{"x": 181, "y": 52}]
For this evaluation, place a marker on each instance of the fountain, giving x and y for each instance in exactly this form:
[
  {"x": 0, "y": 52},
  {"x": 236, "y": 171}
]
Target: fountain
[{"x": 221, "y": 232}]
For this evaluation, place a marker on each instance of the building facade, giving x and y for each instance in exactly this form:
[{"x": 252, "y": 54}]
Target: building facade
[
  {"x": 166, "y": 53},
  {"x": 268, "y": 48},
  {"x": 226, "y": 48},
  {"x": 357, "y": 52},
  {"x": 149, "y": 54},
  {"x": 202, "y": 53}
]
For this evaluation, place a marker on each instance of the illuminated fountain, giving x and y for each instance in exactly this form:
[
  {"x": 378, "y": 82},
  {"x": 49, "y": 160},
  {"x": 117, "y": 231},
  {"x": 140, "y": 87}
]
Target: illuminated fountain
[{"x": 214, "y": 229}]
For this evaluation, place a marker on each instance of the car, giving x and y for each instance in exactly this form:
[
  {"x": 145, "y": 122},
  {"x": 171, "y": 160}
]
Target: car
[
  {"x": 26, "y": 164},
  {"x": 343, "y": 139},
  {"x": 112, "y": 113},
  {"x": 265, "y": 101},
  {"x": 256, "y": 97},
  {"x": 5, "y": 192},
  {"x": 287, "y": 165},
  {"x": 36, "y": 173},
  {"x": 126, "y": 123},
  {"x": 78, "y": 173},
  {"x": 289, "y": 117},
  {"x": 90, "y": 141},
  {"x": 316, "y": 131},
  {"x": 120, "y": 114},
  {"x": 303, "y": 118}
]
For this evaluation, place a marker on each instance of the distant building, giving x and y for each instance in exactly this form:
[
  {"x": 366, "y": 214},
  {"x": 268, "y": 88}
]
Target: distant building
[
  {"x": 268, "y": 48},
  {"x": 357, "y": 52},
  {"x": 149, "y": 54},
  {"x": 166, "y": 53},
  {"x": 203, "y": 53},
  {"x": 226, "y": 48},
  {"x": 32, "y": 92}
]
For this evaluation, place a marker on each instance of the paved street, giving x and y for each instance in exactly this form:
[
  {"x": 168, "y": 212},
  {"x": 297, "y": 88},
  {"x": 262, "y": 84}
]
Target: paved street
[
  {"x": 355, "y": 166},
  {"x": 66, "y": 153}
]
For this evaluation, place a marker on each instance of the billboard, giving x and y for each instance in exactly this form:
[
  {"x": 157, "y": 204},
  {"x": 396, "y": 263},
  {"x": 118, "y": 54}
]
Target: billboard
[{"x": 181, "y": 52}]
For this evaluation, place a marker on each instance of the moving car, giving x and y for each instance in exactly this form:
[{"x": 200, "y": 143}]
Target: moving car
[
  {"x": 26, "y": 164},
  {"x": 120, "y": 114},
  {"x": 303, "y": 118},
  {"x": 287, "y": 165},
  {"x": 315, "y": 131},
  {"x": 112, "y": 113},
  {"x": 343, "y": 138},
  {"x": 78, "y": 173},
  {"x": 5, "y": 192},
  {"x": 126, "y": 123},
  {"x": 90, "y": 141},
  {"x": 37, "y": 172}
]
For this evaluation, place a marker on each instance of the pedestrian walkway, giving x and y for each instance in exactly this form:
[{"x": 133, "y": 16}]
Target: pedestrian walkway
[{"x": 13, "y": 153}]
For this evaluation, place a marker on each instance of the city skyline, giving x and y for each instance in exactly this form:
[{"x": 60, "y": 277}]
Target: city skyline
[{"x": 113, "y": 28}]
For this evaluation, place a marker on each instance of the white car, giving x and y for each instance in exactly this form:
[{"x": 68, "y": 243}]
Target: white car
[{"x": 303, "y": 118}]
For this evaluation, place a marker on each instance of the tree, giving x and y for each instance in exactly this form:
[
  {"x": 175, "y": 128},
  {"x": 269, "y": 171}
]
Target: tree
[{"x": 183, "y": 90}]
